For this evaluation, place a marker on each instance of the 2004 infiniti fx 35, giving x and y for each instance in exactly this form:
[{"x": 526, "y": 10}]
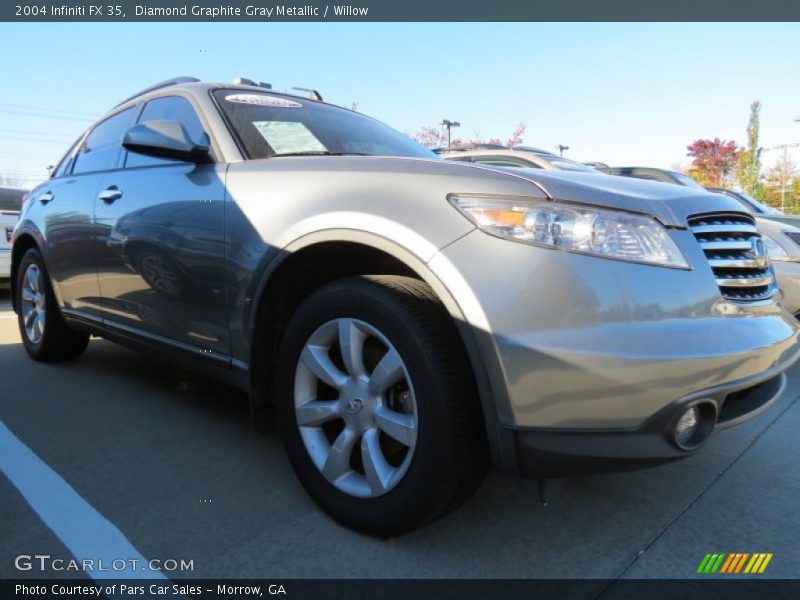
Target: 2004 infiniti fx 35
[{"x": 411, "y": 319}]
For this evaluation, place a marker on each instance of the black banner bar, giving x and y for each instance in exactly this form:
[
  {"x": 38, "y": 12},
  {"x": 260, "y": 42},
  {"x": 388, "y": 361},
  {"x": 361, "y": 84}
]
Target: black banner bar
[
  {"x": 399, "y": 10},
  {"x": 715, "y": 586}
]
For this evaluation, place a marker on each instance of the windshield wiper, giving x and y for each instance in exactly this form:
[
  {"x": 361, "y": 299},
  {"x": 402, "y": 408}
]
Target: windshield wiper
[{"x": 318, "y": 153}]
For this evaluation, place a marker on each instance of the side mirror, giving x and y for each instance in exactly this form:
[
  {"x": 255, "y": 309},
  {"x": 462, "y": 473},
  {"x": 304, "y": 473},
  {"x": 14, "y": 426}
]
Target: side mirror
[{"x": 166, "y": 139}]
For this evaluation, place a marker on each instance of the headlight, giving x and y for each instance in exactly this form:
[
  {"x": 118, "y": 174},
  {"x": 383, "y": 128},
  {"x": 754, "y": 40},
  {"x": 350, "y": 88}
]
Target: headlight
[
  {"x": 595, "y": 231},
  {"x": 774, "y": 249}
]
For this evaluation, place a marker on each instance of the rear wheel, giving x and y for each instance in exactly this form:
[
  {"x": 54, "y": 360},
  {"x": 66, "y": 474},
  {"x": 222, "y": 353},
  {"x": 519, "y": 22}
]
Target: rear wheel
[
  {"x": 45, "y": 335},
  {"x": 380, "y": 417}
]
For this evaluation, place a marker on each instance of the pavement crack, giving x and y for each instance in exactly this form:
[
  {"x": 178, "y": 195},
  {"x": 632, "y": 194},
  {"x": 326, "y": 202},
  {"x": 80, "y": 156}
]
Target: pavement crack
[{"x": 694, "y": 501}]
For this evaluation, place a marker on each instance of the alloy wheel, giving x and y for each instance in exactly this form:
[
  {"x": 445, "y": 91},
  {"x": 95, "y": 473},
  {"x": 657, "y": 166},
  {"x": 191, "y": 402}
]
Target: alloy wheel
[
  {"x": 355, "y": 407},
  {"x": 34, "y": 303}
]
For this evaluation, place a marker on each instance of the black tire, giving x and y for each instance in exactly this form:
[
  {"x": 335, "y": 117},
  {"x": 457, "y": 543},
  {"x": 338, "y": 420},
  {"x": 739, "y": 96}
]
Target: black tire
[
  {"x": 450, "y": 457},
  {"x": 58, "y": 342}
]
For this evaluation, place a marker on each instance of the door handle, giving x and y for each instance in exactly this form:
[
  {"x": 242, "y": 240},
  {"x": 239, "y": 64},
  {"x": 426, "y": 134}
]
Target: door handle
[
  {"x": 110, "y": 194},
  {"x": 46, "y": 197}
]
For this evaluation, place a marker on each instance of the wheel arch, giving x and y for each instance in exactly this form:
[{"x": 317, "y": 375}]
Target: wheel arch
[
  {"x": 23, "y": 241},
  {"x": 305, "y": 264}
]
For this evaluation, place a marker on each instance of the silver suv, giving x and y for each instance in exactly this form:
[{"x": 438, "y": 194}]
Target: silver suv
[{"x": 411, "y": 319}]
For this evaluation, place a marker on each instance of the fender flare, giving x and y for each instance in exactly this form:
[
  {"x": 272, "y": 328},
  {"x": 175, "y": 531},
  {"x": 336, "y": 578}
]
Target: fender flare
[
  {"x": 26, "y": 229},
  {"x": 457, "y": 297}
]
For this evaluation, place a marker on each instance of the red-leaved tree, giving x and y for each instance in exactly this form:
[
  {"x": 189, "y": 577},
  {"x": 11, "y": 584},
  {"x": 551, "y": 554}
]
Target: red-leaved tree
[
  {"x": 715, "y": 161},
  {"x": 435, "y": 136}
]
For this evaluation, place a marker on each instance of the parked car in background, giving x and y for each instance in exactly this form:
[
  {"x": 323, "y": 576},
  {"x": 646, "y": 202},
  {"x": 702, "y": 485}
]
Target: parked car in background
[
  {"x": 782, "y": 241},
  {"x": 751, "y": 204},
  {"x": 496, "y": 155},
  {"x": 10, "y": 203},
  {"x": 652, "y": 174},
  {"x": 409, "y": 317}
]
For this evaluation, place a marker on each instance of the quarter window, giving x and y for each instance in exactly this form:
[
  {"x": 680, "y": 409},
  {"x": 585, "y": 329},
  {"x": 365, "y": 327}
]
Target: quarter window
[
  {"x": 63, "y": 165},
  {"x": 100, "y": 150}
]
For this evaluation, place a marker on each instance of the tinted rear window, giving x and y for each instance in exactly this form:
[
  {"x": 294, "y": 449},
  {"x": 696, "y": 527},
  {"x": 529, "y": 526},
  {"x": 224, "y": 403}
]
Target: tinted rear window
[{"x": 11, "y": 199}]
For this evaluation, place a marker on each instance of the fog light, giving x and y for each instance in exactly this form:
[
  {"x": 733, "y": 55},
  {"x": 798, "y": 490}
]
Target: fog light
[{"x": 687, "y": 427}]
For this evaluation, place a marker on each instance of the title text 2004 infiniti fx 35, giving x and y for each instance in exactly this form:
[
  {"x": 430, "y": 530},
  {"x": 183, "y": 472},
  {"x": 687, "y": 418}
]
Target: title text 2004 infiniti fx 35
[{"x": 410, "y": 318}]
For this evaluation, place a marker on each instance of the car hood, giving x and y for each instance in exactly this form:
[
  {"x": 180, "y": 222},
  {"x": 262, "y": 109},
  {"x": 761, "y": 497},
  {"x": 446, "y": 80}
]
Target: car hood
[{"x": 670, "y": 204}]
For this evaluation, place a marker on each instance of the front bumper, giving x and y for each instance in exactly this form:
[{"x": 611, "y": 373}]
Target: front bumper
[
  {"x": 547, "y": 453},
  {"x": 590, "y": 360}
]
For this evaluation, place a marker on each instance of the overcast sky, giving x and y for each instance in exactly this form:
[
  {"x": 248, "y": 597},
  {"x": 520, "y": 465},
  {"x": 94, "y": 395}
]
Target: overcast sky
[{"x": 632, "y": 94}]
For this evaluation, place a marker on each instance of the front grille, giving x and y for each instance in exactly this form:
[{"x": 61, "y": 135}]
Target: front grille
[{"x": 737, "y": 256}]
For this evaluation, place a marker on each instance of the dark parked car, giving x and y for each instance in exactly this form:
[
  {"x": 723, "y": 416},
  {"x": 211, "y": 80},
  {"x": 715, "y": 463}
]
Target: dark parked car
[{"x": 652, "y": 174}]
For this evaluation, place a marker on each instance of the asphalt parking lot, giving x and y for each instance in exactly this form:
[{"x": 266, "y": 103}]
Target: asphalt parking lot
[{"x": 170, "y": 460}]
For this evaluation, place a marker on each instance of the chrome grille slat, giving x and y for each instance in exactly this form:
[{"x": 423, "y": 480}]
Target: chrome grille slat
[
  {"x": 734, "y": 255},
  {"x": 732, "y": 263},
  {"x": 735, "y": 228},
  {"x": 740, "y": 282},
  {"x": 726, "y": 245}
]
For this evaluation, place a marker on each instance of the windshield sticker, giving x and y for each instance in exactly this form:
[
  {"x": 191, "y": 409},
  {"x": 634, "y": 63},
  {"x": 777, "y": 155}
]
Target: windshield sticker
[
  {"x": 262, "y": 100},
  {"x": 289, "y": 136}
]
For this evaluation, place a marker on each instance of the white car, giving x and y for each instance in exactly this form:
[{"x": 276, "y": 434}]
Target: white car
[{"x": 10, "y": 202}]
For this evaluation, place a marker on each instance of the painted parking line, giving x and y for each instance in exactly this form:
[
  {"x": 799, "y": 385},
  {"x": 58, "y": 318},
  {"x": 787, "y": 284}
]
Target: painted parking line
[{"x": 85, "y": 532}]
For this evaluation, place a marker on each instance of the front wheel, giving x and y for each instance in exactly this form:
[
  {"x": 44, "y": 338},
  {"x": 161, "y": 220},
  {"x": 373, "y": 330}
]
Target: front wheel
[
  {"x": 377, "y": 405},
  {"x": 45, "y": 335}
]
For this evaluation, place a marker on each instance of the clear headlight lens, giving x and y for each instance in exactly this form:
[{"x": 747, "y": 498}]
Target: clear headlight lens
[
  {"x": 774, "y": 249},
  {"x": 595, "y": 231}
]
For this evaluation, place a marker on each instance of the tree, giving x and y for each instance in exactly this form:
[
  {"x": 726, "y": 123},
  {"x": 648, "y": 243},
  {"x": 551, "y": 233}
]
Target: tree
[
  {"x": 750, "y": 157},
  {"x": 435, "y": 136},
  {"x": 430, "y": 137},
  {"x": 781, "y": 186},
  {"x": 516, "y": 136},
  {"x": 714, "y": 161}
]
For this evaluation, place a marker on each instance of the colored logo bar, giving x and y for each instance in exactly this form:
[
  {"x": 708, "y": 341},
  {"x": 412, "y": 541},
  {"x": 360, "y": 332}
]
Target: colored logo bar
[{"x": 735, "y": 562}]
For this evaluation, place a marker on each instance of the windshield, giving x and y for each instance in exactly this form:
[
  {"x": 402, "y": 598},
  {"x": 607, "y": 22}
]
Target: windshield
[
  {"x": 273, "y": 125},
  {"x": 756, "y": 206},
  {"x": 686, "y": 180}
]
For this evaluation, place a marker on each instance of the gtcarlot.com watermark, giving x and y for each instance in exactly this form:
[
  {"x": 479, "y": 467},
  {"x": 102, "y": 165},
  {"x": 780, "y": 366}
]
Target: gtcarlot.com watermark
[{"x": 46, "y": 563}]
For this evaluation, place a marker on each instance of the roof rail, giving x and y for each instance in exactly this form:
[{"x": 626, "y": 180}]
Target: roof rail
[
  {"x": 158, "y": 86},
  {"x": 314, "y": 94}
]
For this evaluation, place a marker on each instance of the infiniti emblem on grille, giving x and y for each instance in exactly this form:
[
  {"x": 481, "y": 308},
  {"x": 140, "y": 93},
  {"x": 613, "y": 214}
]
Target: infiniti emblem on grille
[
  {"x": 759, "y": 252},
  {"x": 354, "y": 406}
]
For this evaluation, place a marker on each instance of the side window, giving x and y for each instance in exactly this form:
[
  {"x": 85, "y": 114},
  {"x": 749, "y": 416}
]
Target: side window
[
  {"x": 100, "y": 149},
  {"x": 167, "y": 108}
]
